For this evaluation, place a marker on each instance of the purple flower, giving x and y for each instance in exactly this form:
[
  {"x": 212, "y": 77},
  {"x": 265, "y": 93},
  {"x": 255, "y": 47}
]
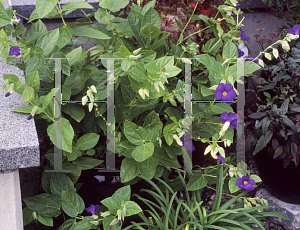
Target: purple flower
[
  {"x": 225, "y": 92},
  {"x": 245, "y": 183},
  {"x": 119, "y": 222},
  {"x": 243, "y": 35},
  {"x": 105, "y": 83},
  {"x": 240, "y": 53},
  {"x": 7, "y": 94},
  {"x": 58, "y": 6},
  {"x": 254, "y": 60},
  {"x": 238, "y": 6},
  {"x": 220, "y": 158},
  {"x": 29, "y": 117},
  {"x": 233, "y": 14},
  {"x": 230, "y": 117},
  {"x": 93, "y": 209},
  {"x": 295, "y": 30},
  {"x": 14, "y": 50},
  {"x": 198, "y": 53},
  {"x": 21, "y": 21},
  {"x": 189, "y": 144}
]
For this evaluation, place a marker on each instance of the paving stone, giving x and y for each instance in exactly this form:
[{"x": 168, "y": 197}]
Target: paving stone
[{"x": 291, "y": 210}]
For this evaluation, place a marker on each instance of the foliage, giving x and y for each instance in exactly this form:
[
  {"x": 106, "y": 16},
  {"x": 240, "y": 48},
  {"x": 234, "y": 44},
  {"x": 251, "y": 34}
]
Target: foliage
[
  {"x": 174, "y": 211},
  {"x": 277, "y": 107},
  {"x": 149, "y": 95}
]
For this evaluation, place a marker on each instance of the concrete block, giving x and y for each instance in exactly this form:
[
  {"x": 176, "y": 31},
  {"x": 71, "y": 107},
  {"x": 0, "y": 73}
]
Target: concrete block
[
  {"x": 291, "y": 210},
  {"x": 11, "y": 204},
  {"x": 19, "y": 146}
]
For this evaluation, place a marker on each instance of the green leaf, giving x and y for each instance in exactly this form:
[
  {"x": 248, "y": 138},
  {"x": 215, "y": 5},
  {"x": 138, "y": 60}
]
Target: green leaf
[
  {"x": 197, "y": 181},
  {"x": 68, "y": 225},
  {"x": 123, "y": 193},
  {"x": 124, "y": 52},
  {"x": 27, "y": 216},
  {"x": 72, "y": 204},
  {"x": 164, "y": 159},
  {"x": 148, "y": 167},
  {"x": 48, "y": 41},
  {"x": 59, "y": 182},
  {"x": 33, "y": 64},
  {"x": 232, "y": 185},
  {"x": 229, "y": 50},
  {"x": 168, "y": 132},
  {"x": 143, "y": 152},
  {"x": 161, "y": 38},
  {"x": 65, "y": 34},
  {"x": 278, "y": 152},
  {"x": 90, "y": 32},
  {"x": 213, "y": 45},
  {"x": 28, "y": 94},
  {"x": 135, "y": 134},
  {"x": 255, "y": 178},
  {"x": 4, "y": 18},
  {"x": 150, "y": 31},
  {"x": 48, "y": 221},
  {"x": 44, "y": 7},
  {"x": 135, "y": 25},
  {"x": 88, "y": 141},
  {"x": 87, "y": 162},
  {"x": 149, "y": 5},
  {"x": 33, "y": 80},
  {"x": 151, "y": 17},
  {"x": 219, "y": 108},
  {"x": 206, "y": 91},
  {"x": 216, "y": 69},
  {"x": 77, "y": 5},
  {"x": 75, "y": 111},
  {"x": 44, "y": 204},
  {"x": 37, "y": 30},
  {"x": 67, "y": 135},
  {"x": 112, "y": 203},
  {"x": 115, "y": 6},
  {"x": 4, "y": 45},
  {"x": 126, "y": 64},
  {"x": 129, "y": 170},
  {"x": 132, "y": 208}
]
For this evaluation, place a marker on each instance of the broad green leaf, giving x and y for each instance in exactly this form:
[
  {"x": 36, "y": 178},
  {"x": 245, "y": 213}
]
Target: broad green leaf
[
  {"x": 38, "y": 51},
  {"x": 151, "y": 17},
  {"x": 4, "y": 18},
  {"x": 213, "y": 45},
  {"x": 85, "y": 223},
  {"x": 278, "y": 152},
  {"x": 67, "y": 132},
  {"x": 219, "y": 108},
  {"x": 149, "y": 5},
  {"x": 151, "y": 118},
  {"x": 28, "y": 94},
  {"x": 90, "y": 32},
  {"x": 103, "y": 17},
  {"x": 68, "y": 225},
  {"x": 11, "y": 78},
  {"x": 123, "y": 193},
  {"x": 59, "y": 182},
  {"x": 168, "y": 132},
  {"x": 135, "y": 25},
  {"x": 65, "y": 34},
  {"x": 33, "y": 80},
  {"x": 115, "y": 6},
  {"x": 150, "y": 31},
  {"x": 143, "y": 151},
  {"x": 4, "y": 45},
  {"x": 129, "y": 170},
  {"x": 132, "y": 208},
  {"x": 163, "y": 157},
  {"x": 48, "y": 41},
  {"x": 33, "y": 64},
  {"x": 148, "y": 167},
  {"x": 27, "y": 216},
  {"x": 135, "y": 134},
  {"x": 256, "y": 178},
  {"x": 124, "y": 52},
  {"x": 88, "y": 141},
  {"x": 76, "y": 5},
  {"x": 72, "y": 204},
  {"x": 216, "y": 69},
  {"x": 197, "y": 181},
  {"x": 229, "y": 50},
  {"x": 36, "y": 31},
  {"x": 112, "y": 203},
  {"x": 44, "y": 204},
  {"x": 232, "y": 185},
  {"x": 87, "y": 162},
  {"x": 126, "y": 64},
  {"x": 48, "y": 221},
  {"x": 75, "y": 111},
  {"x": 44, "y": 7}
]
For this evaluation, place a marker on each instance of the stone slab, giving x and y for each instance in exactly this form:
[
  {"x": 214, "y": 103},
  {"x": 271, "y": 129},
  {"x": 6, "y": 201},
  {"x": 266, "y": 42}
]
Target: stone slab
[
  {"x": 291, "y": 210},
  {"x": 11, "y": 203},
  {"x": 258, "y": 4},
  {"x": 19, "y": 146}
]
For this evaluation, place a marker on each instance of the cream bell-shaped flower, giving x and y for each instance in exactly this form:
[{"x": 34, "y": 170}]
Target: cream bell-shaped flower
[
  {"x": 224, "y": 128},
  {"x": 94, "y": 89},
  {"x": 142, "y": 93},
  {"x": 179, "y": 142},
  {"x": 84, "y": 100}
]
